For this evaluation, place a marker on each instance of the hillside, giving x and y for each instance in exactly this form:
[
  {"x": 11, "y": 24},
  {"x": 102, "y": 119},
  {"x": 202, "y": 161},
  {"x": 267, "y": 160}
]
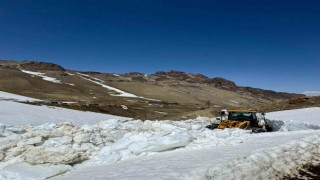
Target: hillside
[
  {"x": 160, "y": 95},
  {"x": 293, "y": 103}
]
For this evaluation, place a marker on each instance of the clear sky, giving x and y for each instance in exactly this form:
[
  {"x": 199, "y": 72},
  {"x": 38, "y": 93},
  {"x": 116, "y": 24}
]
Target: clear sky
[{"x": 271, "y": 44}]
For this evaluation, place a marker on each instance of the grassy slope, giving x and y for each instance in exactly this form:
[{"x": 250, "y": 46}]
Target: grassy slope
[{"x": 191, "y": 99}]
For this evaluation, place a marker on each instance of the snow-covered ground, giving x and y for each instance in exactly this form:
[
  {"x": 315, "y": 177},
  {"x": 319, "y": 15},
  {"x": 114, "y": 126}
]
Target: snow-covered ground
[
  {"x": 19, "y": 114},
  {"x": 122, "y": 148},
  {"x": 14, "y": 97}
]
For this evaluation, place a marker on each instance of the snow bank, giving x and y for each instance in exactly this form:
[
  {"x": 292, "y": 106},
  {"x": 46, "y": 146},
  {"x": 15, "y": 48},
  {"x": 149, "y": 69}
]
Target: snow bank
[
  {"x": 133, "y": 144},
  {"x": 306, "y": 115},
  {"x": 190, "y": 163},
  {"x": 107, "y": 142},
  {"x": 279, "y": 125},
  {"x": 14, "y": 97},
  {"x": 291, "y": 120},
  {"x": 128, "y": 139},
  {"x": 43, "y": 76},
  {"x": 273, "y": 163}
]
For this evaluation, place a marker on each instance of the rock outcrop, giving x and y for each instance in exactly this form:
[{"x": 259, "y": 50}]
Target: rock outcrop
[{"x": 41, "y": 66}]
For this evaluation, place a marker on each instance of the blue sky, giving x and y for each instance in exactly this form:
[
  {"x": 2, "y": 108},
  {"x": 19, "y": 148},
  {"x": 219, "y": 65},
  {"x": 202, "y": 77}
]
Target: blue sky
[{"x": 266, "y": 44}]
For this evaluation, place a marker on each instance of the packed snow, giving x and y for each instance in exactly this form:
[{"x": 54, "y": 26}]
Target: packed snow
[
  {"x": 39, "y": 142},
  {"x": 43, "y": 76},
  {"x": 14, "y": 97}
]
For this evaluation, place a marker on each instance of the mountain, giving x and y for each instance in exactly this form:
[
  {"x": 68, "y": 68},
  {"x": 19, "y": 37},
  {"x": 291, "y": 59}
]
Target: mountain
[{"x": 161, "y": 95}]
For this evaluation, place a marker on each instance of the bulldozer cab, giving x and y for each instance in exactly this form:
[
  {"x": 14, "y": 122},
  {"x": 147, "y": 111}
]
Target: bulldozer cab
[
  {"x": 243, "y": 119},
  {"x": 242, "y": 115}
]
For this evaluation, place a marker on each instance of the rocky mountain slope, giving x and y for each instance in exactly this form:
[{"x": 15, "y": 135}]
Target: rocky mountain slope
[{"x": 160, "y": 95}]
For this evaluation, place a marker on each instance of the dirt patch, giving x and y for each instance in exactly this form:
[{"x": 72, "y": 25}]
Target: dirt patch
[{"x": 308, "y": 172}]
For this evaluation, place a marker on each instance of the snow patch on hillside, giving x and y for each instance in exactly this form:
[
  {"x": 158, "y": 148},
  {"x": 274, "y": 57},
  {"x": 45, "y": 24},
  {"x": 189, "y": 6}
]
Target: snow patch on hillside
[
  {"x": 93, "y": 78},
  {"x": 117, "y": 75},
  {"x": 100, "y": 82},
  {"x": 124, "y": 107},
  {"x": 71, "y": 84},
  {"x": 120, "y": 92},
  {"x": 236, "y": 102},
  {"x": 43, "y": 76}
]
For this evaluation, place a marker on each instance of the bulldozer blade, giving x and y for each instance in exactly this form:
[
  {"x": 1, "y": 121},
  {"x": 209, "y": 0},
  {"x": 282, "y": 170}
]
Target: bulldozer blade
[{"x": 234, "y": 124}]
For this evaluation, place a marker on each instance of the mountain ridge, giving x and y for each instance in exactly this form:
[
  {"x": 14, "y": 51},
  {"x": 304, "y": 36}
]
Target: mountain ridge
[{"x": 159, "y": 95}]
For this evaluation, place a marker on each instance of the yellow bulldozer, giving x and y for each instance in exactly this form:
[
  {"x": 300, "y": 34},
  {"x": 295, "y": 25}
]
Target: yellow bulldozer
[{"x": 242, "y": 119}]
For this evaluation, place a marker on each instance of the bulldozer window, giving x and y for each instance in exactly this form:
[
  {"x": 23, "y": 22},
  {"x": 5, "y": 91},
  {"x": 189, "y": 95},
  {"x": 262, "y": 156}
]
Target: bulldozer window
[{"x": 242, "y": 116}]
